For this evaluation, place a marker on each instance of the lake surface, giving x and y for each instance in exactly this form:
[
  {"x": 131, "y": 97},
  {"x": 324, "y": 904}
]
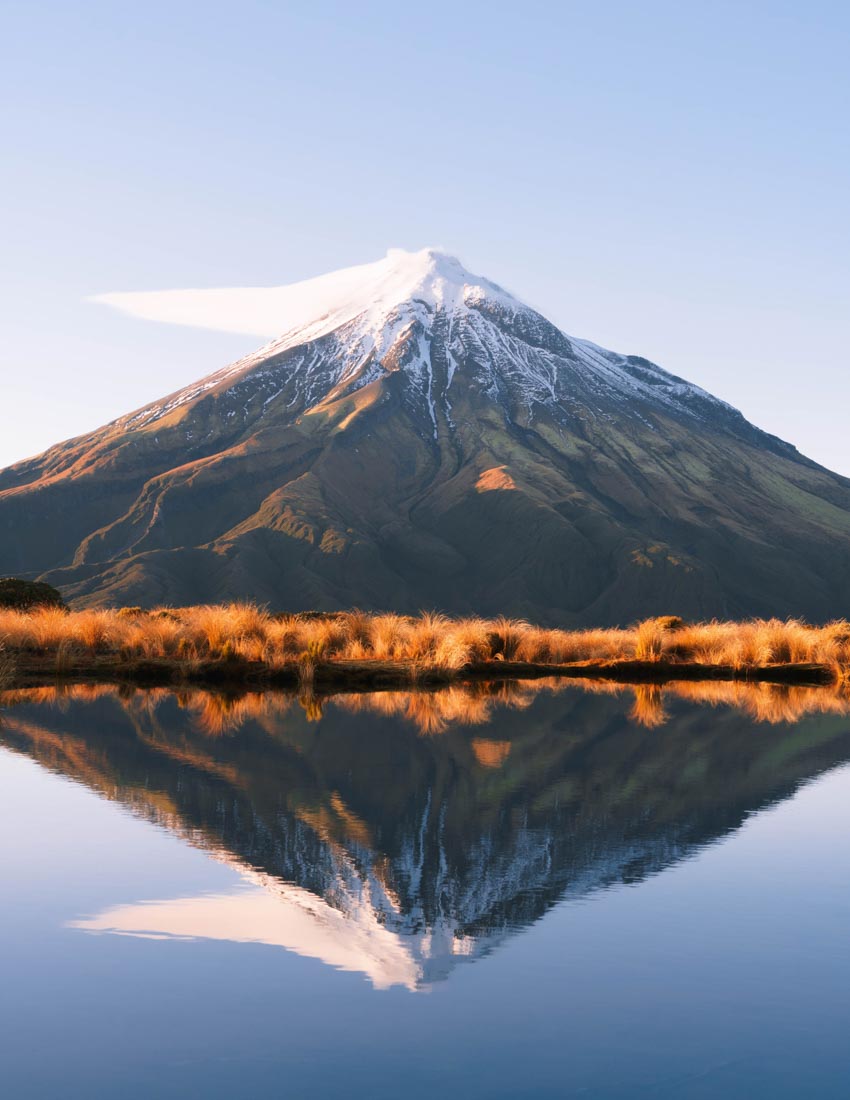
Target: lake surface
[{"x": 519, "y": 893}]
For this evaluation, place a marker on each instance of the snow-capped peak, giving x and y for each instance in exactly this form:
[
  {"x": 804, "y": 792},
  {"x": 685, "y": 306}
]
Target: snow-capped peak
[
  {"x": 316, "y": 306},
  {"x": 371, "y": 292},
  {"x": 423, "y": 314}
]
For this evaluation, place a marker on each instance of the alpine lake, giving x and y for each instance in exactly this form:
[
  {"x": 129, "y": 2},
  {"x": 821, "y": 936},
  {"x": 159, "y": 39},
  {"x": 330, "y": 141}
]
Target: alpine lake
[{"x": 524, "y": 890}]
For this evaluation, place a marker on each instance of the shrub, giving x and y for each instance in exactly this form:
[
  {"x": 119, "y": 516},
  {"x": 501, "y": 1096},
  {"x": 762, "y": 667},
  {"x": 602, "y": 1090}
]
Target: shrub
[{"x": 25, "y": 595}]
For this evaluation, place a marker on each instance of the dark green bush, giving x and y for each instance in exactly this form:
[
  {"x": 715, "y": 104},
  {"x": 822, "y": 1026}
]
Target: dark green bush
[{"x": 23, "y": 595}]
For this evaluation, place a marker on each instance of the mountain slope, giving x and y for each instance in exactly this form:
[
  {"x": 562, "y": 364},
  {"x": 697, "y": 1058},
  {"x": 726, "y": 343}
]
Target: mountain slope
[{"x": 418, "y": 437}]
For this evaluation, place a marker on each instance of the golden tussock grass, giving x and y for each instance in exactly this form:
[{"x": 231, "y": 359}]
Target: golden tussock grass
[{"x": 242, "y": 631}]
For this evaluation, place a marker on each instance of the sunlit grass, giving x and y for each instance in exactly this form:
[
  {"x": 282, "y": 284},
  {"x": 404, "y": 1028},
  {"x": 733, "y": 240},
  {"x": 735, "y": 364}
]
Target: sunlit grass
[{"x": 244, "y": 632}]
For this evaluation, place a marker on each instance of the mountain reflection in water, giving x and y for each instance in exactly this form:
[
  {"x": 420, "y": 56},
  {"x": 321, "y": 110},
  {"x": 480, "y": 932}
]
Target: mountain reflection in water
[{"x": 397, "y": 834}]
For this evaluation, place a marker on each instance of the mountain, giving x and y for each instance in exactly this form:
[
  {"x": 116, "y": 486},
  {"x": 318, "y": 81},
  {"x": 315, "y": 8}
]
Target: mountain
[{"x": 418, "y": 437}]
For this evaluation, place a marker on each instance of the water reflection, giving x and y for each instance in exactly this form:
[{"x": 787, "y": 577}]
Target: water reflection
[
  {"x": 398, "y": 834},
  {"x": 280, "y": 914}
]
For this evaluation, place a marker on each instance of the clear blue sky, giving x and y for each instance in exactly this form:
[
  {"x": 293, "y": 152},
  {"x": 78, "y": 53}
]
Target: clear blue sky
[{"x": 666, "y": 179}]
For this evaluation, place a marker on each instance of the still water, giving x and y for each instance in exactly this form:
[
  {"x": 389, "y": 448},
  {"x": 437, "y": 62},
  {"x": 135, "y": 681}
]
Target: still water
[{"x": 521, "y": 893}]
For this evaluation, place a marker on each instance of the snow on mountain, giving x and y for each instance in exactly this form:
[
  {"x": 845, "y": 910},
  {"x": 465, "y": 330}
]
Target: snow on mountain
[{"x": 419, "y": 312}]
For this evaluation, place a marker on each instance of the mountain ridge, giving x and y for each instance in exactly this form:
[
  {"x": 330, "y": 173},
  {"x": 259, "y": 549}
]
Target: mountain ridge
[{"x": 429, "y": 440}]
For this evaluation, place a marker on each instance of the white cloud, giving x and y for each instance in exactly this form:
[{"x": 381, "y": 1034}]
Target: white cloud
[
  {"x": 314, "y": 306},
  {"x": 252, "y": 311}
]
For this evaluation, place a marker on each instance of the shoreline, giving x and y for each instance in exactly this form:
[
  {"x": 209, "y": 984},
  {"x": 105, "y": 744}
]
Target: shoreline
[{"x": 366, "y": 674}]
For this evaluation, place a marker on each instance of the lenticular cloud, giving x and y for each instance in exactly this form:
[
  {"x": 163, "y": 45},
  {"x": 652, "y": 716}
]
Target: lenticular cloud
[
  {"x": 246, "y": 310},
  {"x": 270, "y": 311}
]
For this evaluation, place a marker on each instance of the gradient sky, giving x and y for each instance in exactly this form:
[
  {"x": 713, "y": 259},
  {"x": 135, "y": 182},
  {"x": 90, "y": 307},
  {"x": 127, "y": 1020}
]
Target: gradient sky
[{"x": 666, "y": 179}]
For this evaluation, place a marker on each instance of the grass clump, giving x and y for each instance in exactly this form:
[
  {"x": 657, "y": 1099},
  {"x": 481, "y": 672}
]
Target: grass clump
[{"x": 244, "y": 633}]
